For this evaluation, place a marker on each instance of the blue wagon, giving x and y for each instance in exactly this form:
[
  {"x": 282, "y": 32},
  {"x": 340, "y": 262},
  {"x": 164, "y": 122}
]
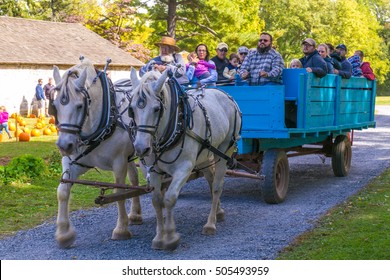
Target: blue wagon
[{"x": 305, "y": 115}]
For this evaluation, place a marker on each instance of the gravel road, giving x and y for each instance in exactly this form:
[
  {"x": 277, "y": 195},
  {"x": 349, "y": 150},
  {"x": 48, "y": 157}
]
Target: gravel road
[{"x": 252, "y": 229}]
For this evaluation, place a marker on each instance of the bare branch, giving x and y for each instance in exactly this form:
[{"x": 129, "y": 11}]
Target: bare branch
[{"x": 213, "y": 32}]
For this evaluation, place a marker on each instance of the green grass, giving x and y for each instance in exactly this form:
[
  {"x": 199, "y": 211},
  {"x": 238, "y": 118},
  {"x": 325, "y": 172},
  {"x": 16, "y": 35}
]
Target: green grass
[
  {"x": 356, "y": 230},
  {"x": 382, "y": 100},
  {"x": 25, "y": 205}
]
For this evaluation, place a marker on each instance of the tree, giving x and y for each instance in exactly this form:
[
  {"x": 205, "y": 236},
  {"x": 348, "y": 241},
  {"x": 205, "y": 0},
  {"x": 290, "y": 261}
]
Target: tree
[
  {"x": 120, "y": 22},
  {"x": 206, "y": 21},
  {"x": 344, "y": 21}
]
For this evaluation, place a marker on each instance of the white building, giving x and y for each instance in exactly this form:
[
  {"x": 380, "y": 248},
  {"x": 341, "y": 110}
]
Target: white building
[{"x": 30, "y": 48}]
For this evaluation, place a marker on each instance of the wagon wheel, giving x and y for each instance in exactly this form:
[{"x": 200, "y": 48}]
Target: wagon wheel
[
  {"x": 341, "y": 156},
  {"x": 276, "y": 171}
]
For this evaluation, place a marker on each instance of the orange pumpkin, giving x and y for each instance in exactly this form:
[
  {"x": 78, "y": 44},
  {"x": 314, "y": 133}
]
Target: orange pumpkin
[
  {"x": 13, "y": 115},
  {"x": 38, "y": 125},
  {"x": 1, "y": 136},
  {"x": 27, "y": 130},
  {"x": 32, "y": 116},
  {"x": 35, "y": 132},
  {"x": 53, "y": 128},
  {"x": 52, "y": 120},
  {"x": 11, "y": 126},
  {"x": 47, "y": 131},
  {"x": 22, "y": 123},
  {"x": 24, "y": 137}
]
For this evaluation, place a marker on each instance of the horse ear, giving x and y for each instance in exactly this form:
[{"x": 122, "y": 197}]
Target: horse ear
[
  {"x": 80, "y": 82},
  {"x": 160, "y": 82},
  {"x": 56, "y": 74},
  {"x": 134, "y": 78}
]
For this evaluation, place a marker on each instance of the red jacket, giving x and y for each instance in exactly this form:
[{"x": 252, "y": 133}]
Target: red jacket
[{"x": 367, "y": 71}]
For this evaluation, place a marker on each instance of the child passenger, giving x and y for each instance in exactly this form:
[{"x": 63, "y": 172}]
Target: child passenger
[
  {"x": 295, "y": 63},
  {"x": 231, "y": 70},
  {"x": 202, "y": 67}
]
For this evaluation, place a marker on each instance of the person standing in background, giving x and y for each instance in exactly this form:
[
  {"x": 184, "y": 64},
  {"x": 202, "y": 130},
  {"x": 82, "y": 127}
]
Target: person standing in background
[
  {"x": 40, "y": 97},
  {"x": 47, "y": 90}
]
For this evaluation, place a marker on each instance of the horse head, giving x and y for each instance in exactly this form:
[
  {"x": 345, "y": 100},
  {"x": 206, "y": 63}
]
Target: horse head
[
  {"x": 75, "y": 93},
  {"x": 147, "y": 108}
]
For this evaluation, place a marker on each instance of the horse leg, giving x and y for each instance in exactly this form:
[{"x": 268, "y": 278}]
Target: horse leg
[
  {"x": 171, "y": 237},
  {"x": 121, "y": 231},
  {"x": 135, "y": 216},
  {"x": 220, "y": 169},
  {"x": 209, "y": 176},
  {"x": 65, "y": 233},
  {"x": 158, "y": 204}
]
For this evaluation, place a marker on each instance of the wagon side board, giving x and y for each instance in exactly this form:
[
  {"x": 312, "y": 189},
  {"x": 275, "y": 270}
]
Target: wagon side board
[{"x": 304, "y": 110}]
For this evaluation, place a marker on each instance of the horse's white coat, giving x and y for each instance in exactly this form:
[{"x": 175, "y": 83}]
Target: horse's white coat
[
  {"x": 112, "y": 154},
  {"x": 225, "y": 123}
]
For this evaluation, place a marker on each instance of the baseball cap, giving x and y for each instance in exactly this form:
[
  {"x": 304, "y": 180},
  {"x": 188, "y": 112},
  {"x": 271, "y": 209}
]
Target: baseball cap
[
  {"x": 243, "y": 49},
  {"x": 341, "y": 46},
  {"x": 309, "y": 41},
  {"x": 221, "y": 46}
]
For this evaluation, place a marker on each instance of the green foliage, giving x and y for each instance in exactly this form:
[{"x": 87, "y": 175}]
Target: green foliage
[
  {"x": 350, "y": 22},
  {"x": 355, "y": 230},
  {"x": 121, "y": 23},
  {"x": 208, "y": 21},
  {"x": 24, "y": 168},
  {"x": 54, "y": 161}
]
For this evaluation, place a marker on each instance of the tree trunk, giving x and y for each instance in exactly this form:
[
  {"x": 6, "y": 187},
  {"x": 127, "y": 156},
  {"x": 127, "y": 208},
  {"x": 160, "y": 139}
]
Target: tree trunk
[{"x": 171, "y": 21}]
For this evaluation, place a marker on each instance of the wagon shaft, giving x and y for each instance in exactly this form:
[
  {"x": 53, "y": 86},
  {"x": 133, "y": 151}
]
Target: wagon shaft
[
  {"x": 137, "y": 191},
  {"x": 105, "y": 185}
]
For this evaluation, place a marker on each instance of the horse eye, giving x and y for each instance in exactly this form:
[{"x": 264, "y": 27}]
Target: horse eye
[{"x": 79, "y": 107}]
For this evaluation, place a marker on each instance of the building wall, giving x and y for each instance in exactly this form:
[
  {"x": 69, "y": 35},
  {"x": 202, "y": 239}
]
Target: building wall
[{"x": 20, "y": 81}]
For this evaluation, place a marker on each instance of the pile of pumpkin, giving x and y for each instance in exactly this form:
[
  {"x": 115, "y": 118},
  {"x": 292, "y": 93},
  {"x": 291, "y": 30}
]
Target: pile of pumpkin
[{"x": 39, "y": 128}]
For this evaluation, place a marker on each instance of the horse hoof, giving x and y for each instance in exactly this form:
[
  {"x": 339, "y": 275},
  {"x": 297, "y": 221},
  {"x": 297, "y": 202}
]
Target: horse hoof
[
  {"x": 221, "y": 216},
  {"x": 172, "y": 243},
  {"x": 135, "y": 220},
  {"x": 124, "y": 235},
  {"x": 209, "y": 230},
  {"x": 66, "y": 240},
  {"x": 157, "y": 244}
]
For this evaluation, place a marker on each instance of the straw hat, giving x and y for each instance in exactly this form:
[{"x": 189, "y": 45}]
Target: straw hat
[{"x": 169, "y": 41}]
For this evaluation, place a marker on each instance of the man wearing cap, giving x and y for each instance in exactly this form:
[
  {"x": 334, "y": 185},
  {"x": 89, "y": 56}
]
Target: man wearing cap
[
  {"x": 220, "y": 60},
  {"x": 168, "y": 58},
  {"x": 242, "y": 53},
  {"x": 264, "y": 65},
  {"x": 312, "y": 61},
  {"x": 346, "y": 67}
]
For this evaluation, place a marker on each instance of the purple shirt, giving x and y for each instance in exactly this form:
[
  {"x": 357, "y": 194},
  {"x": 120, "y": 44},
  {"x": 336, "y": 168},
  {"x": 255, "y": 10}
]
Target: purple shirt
[{"x": 202, "y": 67}]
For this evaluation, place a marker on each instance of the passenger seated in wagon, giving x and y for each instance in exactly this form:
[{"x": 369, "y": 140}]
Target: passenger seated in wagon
[{"x": 264, "y": 65}]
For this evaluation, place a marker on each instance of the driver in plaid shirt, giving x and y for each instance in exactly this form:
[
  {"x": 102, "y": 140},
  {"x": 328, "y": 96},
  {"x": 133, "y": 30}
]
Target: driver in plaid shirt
[{"x": 263, "y": 66}]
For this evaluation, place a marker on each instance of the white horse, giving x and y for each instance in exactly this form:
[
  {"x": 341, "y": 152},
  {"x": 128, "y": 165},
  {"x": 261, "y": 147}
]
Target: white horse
[
  {"x": 90, "y": 136},
  {"x": 167, "y": 138}
]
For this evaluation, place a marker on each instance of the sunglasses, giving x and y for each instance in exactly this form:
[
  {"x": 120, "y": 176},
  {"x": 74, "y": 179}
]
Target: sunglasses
[
  {"x": 223, "y": 50},
  {"x": 263, "y": 40},
  {"x": 243, "y": 53}
]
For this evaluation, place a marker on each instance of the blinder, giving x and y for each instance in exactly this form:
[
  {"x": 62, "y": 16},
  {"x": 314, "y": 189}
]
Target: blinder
[{"x": 64, "y": 99}]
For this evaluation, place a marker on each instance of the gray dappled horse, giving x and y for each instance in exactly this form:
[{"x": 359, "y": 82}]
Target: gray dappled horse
[
  {"x": 92, "y": 133},
  {"x": 167, "y": 137}
]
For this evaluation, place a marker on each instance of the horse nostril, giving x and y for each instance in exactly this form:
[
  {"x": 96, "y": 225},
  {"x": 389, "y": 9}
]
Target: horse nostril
[{"x": 69, "y": 147}]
